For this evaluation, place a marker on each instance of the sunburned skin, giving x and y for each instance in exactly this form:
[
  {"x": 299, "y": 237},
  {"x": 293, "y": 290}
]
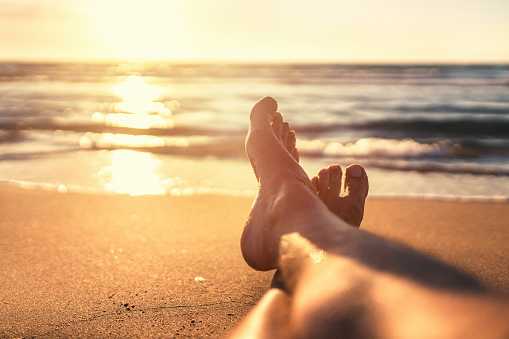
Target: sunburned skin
[{"x": 340, "y": 281}]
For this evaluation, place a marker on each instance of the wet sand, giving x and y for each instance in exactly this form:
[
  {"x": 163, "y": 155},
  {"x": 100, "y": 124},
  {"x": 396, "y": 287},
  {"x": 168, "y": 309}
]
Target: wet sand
[{"x": 85, "y": 265}]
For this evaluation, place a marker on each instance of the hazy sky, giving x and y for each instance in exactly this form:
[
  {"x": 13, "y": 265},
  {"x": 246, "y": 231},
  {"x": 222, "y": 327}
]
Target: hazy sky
[{"x": 271, "y": 30}]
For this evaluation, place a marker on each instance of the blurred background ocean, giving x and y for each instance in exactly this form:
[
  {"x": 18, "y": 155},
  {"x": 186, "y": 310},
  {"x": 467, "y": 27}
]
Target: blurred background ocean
[{"x": 156, "y": 128}]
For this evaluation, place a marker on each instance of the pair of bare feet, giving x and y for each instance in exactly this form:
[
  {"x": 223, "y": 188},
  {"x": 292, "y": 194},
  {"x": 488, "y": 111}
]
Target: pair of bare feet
[
  {"x": 271, "y": 148},
  {"x": 335, "y": 279}
]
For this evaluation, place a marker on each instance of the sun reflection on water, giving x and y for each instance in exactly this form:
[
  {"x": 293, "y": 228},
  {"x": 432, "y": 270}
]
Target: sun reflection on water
[
  {"x": 139, "y": 107},
  {"x": 129, "y": 171},
  {"x": 137, "y": 95},
  {"x": 134, "y": 173}
]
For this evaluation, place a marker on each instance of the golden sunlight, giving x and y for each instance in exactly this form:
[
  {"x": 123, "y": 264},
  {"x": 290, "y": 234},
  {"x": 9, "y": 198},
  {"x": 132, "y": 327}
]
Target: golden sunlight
[
  {"x": 137, "y": 29},
  {"x": 138, "y": 108},
  {"x": 134, "y": 173},
  {"x": 142, "y": 121},
  {"x": 137, "y": 95}
]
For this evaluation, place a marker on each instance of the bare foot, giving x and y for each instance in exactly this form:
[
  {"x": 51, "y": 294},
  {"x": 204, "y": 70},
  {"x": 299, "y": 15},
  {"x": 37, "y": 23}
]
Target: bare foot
[
  {"x": 286, "y": 195},
  {"x": 328, "y": 184},
  {"x": 268, "y": 146},
  {"x": 328, "y": 181}
]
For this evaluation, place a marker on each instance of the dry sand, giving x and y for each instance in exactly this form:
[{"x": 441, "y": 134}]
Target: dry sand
[{"x": 85, "y": 265}]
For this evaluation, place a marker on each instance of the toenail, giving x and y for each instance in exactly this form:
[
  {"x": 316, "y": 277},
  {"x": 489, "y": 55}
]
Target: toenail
[{"x": 355, "y": 171}]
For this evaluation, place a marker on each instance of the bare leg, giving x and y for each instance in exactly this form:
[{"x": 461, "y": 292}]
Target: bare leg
[
  {"x": 343, "y": 281},
  {"x": 268, "y": 318},
  {"x": 337, "y": 296},
  {"x": 328, "y": 183}
]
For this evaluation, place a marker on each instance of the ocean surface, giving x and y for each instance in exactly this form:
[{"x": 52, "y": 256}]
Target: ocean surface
[{"x": 134, "y": 128}]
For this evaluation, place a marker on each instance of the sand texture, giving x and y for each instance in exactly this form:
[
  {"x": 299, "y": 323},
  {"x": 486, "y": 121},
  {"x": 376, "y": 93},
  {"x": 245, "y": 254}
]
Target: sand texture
[{"x": 87, "y": 265}]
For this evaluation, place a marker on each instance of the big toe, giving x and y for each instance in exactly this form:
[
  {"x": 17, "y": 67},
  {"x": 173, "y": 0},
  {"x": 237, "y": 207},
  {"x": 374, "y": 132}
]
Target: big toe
[
  {"x": 277, "y": 125},
  {"x": 356, "y": 183},
  {"x": 291, "y": 145},
  {"x": 356, "y": 188},
  {"x": 264, "y": 109},
  {"x": 335, "y": 175}
]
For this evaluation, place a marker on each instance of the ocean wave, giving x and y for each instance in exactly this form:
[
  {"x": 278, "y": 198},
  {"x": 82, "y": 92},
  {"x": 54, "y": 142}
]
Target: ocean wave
[
  {"x": 468, "y": 75},
  {"x": 450, "y": 126},
  {"x": 481, "y": 108},
  {"x": 418, "y": 126},
  {"x": 442, "y": 155},
  {"x": 232, "y": 146},
  {"x": 433, "y": 166},
  {"x": 440, "y": 197},
  {"x": 471, "y": 130},
  {"x": 402, "y": 155},
  {"x": 393, "y": 117},
  {"x": 375, "y": 147},
  {"x": 164, "y": 128}
]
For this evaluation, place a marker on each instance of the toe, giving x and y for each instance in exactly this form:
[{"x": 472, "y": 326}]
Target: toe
[
  {"x": 323, "y": 183},
  {"x": 264, "y": 109},
  {"x": 314, "y": 182},
  {"x": 284, "y": 133},
  {"x": 277, "y": 125},
  {"x": 295, "y": 155},
  {"x": 291, "y": 141},
  {"x": 356, "y": 184},
  {"x": 335, "y": 176}
]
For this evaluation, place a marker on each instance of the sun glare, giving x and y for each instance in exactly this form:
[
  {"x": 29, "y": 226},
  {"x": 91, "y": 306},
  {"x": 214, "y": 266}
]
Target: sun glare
[
  {"x": 138, "y": 108},
  {"x": 137, "y": 95},
  {"x": 134, "y": 173},
  {"x": 136, "y": 29}
]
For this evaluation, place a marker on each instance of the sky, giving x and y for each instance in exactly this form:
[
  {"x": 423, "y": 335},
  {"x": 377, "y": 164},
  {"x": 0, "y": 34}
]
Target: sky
[{"x": 258, "y": 30}]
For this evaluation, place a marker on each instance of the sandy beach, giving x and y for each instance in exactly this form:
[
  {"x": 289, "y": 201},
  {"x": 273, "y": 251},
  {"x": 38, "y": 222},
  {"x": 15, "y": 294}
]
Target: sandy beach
[{"x": 85, "y": 265}]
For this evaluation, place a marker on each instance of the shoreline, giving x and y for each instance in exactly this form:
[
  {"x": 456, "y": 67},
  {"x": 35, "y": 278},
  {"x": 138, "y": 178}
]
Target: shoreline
[
  {"x": 50, "y": 187},
  {"x": 162, "y": 266}
]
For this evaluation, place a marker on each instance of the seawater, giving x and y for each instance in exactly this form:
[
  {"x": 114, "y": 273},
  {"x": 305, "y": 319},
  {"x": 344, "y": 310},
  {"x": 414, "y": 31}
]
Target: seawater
[{"x": 157, "y": 128}]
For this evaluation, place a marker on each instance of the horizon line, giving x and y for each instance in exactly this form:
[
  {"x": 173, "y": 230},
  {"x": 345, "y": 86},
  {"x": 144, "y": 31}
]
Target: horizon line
[{"x": 260, "y": 61}]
